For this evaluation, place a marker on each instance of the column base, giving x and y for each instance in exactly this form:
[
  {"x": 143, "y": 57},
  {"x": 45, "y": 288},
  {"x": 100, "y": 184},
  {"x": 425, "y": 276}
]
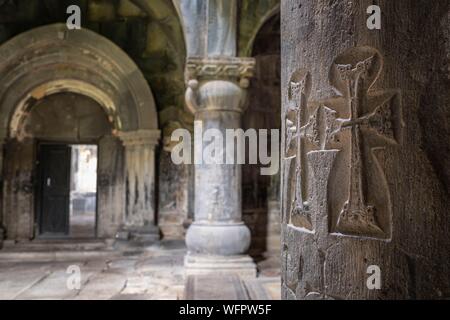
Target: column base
[
  {"x": 218, "y": 238},
  {"x": 138, "y": 236},
  {"x": 241, "y": 265}
]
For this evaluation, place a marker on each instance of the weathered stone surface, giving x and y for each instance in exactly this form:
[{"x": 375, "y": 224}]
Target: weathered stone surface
[
  {"x": 14, "y": 282},
  {"x": 65, "y": 116},
  {"x": 140, "y": 205},
  {"x": 110, "y": 186},
  {"x": 209, "y": 287},
  {"x": 263, "y": 289},
  {"x": 216, "y": 86},
  {"x": 175, "y": 196},
  {"x": 2, "y": 228},
  {"x": 358, "y": 186},
  {"x": 82, "y": 73},
  {"x": 217, "y": 99},
  {"x": 82, "y": 101},
  {"x": 102, "y": 286},
  {"x": 17, "y": 199},
  {"x": 209, "y": 26}
]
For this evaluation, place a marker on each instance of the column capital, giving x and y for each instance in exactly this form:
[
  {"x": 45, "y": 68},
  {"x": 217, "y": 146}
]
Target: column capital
[
  {"x": 217, "y": 83},
  {"x": 234, "y": 69},
  {"x": 140, "y": 137}
]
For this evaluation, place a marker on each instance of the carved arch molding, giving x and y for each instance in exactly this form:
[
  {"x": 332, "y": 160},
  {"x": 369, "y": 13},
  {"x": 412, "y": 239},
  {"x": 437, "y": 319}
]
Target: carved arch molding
[
  {"x": 336, "y": 143},
  {"x": 52, "y": 59}
]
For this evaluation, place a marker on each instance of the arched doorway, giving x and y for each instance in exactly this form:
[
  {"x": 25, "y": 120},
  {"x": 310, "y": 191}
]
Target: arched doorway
[
  {"x": 62, "y": 133},
  {"x": 64, "y": 87}
]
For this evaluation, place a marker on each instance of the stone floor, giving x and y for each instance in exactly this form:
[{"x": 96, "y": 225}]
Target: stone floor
[
  {"x": 82, "y": 225},
  {"x": 40, "y": 270}
]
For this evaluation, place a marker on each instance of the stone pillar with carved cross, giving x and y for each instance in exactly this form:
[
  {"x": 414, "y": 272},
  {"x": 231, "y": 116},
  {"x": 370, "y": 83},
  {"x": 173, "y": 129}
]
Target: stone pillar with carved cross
[
  {"x": 2, "y": 230},
  {"x": 218, "y": 239},
  {"x": 364, "y": 193},
  {"x": 139, "y": 218}
]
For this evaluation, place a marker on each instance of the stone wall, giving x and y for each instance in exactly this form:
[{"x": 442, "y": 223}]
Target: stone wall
[
  {"x": 18, "y": 189},
  {"x": 65, "y": 117},
  {"x": 175, "y": 197}
]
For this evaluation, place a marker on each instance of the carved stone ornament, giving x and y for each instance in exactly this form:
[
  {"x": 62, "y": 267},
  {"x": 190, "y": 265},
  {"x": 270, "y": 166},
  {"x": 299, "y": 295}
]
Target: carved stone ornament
[
  {"x": 217, "y": 83},
  {"x": 296, "y": 148},
  {"x": 357, "y": 124},
  {"x": 223, "y": 68}
]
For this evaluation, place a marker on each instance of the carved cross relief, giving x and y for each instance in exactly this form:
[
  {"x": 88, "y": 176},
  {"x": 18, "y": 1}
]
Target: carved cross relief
[
  {"x": 358, "y": 124},
  {"x": 295, "y": 148}
]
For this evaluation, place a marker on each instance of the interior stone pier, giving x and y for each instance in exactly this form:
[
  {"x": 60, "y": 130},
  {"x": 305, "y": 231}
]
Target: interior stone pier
[
  {"x": 218, "y": 239},
  {"x": 217, "y": 80},
  {"x": 139, "y": 225},
  {"x": 2, "y": 230},
  {"x": 360, "y": 186}
]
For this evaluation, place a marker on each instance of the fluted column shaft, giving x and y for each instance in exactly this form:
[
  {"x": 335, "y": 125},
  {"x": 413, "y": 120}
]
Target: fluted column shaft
[{"x": 139, "y": 148}]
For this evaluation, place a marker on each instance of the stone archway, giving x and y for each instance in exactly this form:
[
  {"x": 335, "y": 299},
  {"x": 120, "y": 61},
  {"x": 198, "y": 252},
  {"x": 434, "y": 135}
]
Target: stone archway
[{"x": 51, "y": 59}]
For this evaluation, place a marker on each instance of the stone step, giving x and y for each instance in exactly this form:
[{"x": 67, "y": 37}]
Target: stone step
[
  {"x": 36, "y": 256},
  {"x": 264, "y": 288},
  {"x": 41, "y": 245},
  {"x": 49, "y": 250},
  {"x": 231, "y": 287},
  {"x": 215, "y": 287}
]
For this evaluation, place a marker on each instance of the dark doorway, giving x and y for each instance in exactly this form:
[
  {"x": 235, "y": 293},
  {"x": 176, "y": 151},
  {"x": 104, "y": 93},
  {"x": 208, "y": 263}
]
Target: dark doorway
[
  {"x": 54, "y": 163},
  {"x": 67, "y": 205}
]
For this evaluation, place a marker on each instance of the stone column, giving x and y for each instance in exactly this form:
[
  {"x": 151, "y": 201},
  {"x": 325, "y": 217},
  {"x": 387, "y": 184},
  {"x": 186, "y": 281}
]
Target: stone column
[
  {"x": 218, "y": 239},
  {"x": 273, "y": 243},
  {"x": 2, "y": 229},
  {"x": 365, "y": 209},
  {"x": 139, "y": 219}
]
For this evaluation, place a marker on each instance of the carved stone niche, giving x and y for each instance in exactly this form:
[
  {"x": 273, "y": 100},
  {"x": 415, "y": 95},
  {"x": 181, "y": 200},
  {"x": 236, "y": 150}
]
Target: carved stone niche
[{"x": 358, "y": 125}]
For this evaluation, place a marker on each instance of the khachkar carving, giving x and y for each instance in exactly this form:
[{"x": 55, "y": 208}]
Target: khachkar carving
[
  {"x": 2, "y": 230},
  {"x": 358, "y": 124},
  {"x": 296, "y": 133},
  {"x": 308, "y": 128}
]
